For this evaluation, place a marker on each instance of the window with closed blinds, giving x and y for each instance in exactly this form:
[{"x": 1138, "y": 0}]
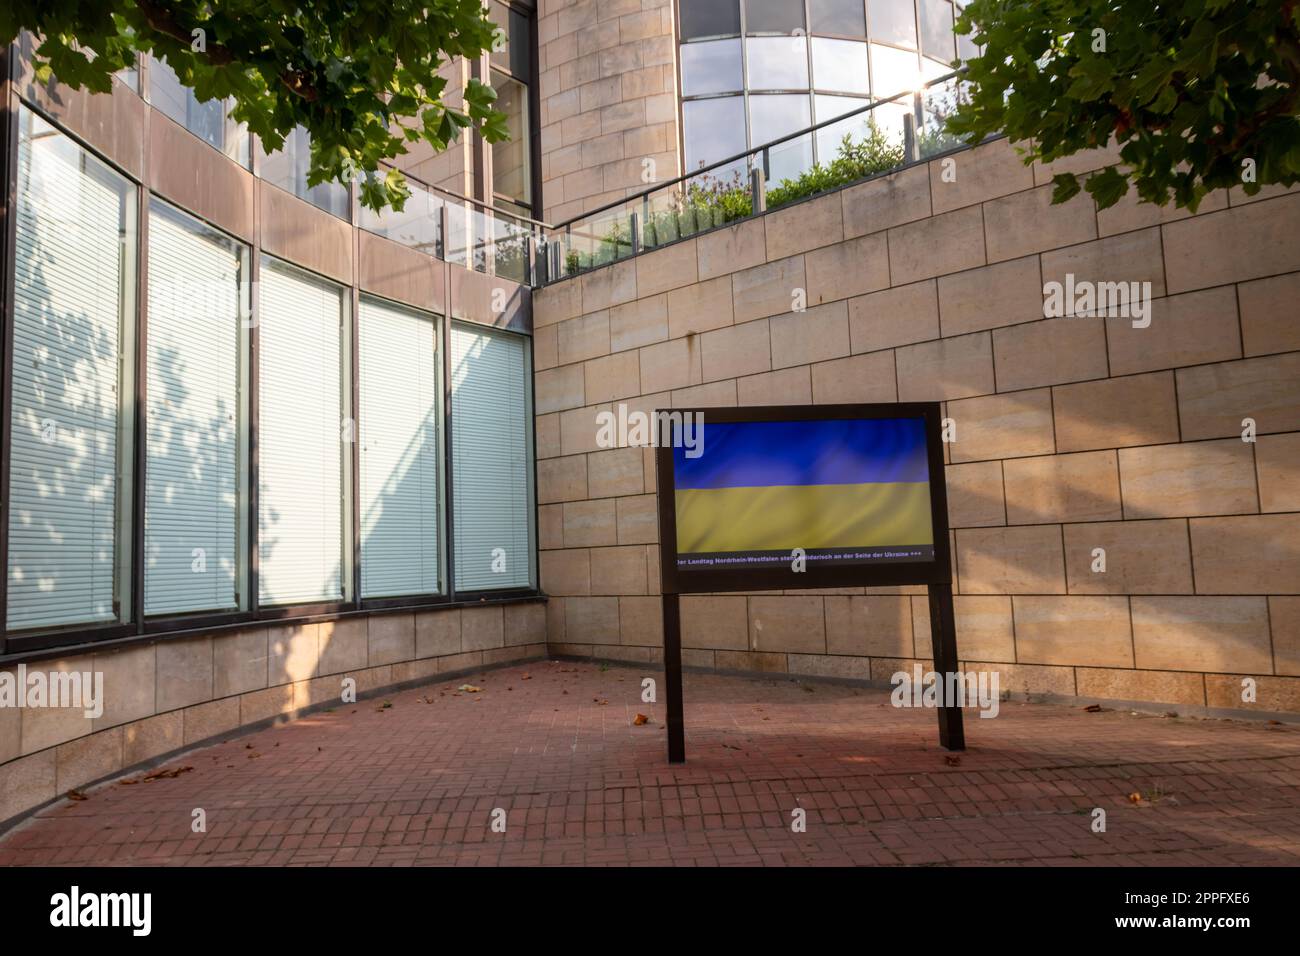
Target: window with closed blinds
[
  {"x": 397, "y": 364},
  {"x": 301, "y": 438},
  {"x": 193, "y": 458},
  {"x": 491, "y": 459},
  {"x": 69, "y": 489}
]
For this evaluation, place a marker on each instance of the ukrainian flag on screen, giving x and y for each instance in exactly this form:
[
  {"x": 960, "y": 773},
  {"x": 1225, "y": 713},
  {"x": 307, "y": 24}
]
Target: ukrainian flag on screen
[{"x": 777, "y": 486}]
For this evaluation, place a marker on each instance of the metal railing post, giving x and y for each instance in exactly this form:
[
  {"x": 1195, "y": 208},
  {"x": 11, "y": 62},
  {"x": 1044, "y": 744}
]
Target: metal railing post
[
  {"x": 634, "y": 219},
  {"x": 757, "y": 190},
  {"x": 444, "y": 233},
  {"x": 911, "y": 149}
]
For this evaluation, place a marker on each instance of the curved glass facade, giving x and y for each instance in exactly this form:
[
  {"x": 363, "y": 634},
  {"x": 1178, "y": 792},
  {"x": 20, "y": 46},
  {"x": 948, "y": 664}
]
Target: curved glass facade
[{"x": 755, "y": 70}]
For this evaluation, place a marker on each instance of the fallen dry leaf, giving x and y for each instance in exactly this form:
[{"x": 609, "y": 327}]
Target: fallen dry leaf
[
  {"x": 168, "y": 773},
  {"x": 640, "y": 719},
  {"x": 952, "y": 760},
  {"x": 470, "y": 689},
  {"x": 527, "y": 677},
  {"x": 1093, "y": 708},
  {"x": 76, "y": 795},
  {"x": 1135, "y": 798}
]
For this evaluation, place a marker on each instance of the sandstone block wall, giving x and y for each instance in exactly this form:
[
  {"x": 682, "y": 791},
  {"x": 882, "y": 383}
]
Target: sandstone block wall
[
  {"x": 608, "y": 94},
  {"x": 1073, "y": 433}
]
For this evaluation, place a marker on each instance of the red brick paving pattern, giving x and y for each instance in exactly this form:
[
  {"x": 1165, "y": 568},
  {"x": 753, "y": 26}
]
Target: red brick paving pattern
[{"x": 416, "y": 783}]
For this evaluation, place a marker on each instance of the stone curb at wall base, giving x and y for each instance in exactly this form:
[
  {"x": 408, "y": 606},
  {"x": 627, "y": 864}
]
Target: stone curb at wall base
[
  {"x": 30, "y": 813},
  {"x": 1154, "y": 708}
]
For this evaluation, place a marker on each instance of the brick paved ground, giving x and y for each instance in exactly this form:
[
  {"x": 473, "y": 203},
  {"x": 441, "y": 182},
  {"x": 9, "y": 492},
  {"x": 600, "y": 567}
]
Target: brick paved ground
[{"x": 554, "y": 745}]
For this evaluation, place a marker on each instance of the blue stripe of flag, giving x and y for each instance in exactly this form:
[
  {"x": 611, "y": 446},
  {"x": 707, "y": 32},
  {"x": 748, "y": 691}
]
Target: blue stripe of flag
[{"x": 822, "y": 452}]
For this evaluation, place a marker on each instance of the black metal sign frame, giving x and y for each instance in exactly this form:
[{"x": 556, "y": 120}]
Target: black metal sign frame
[{"x": 935, "y": 573}]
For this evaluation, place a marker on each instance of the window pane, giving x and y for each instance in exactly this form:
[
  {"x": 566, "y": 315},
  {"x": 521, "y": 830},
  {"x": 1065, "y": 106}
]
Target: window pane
[
  {"x": 840, "y": 65},
  {"x": 777, "y": 63},
  {"x": 193, "y": 470},
  {"x": 208, "y": 121},
  {"x": 511, "y": 169},
  {"x": 300, "y": 440},
  {"x": 713, "y": 130},
  {"x": 710, "y": 18},
  {"x": 491, "y": 459},
  {"x": 512, "y": 51},
  {"x": 933, "y": 69},
  {"x": 892, "y": 21},
  {"x": 830, "y": 137},
  {"x": 513, "y": 208},
  {"x": 893, "y": 71},
  {"x": 888, "y": 117},
  {"x": 773, "y": 16},
  {"x": 398, "y": 499},
  {"x": 936, "y": 30},
  {"x": 966, "y": 48},
  {"x": 838, "y": 16},
  {"x": 70, "y": 451},
  {"x": 166, "y": 92},
  {"x": 711, "y": 67},
  {"x": 287, "y": 168},
  {"x": 773, "y": 116}
]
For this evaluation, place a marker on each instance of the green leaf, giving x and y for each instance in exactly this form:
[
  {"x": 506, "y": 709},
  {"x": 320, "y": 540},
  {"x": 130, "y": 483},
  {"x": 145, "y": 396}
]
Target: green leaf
[
  {"x": 1107, "y": 187},
  {"x": 1065, "y": 186}
]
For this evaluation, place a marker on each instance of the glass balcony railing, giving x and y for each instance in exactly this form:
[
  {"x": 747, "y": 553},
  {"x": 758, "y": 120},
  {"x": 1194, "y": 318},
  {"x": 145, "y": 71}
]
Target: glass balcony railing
[
  {"x": 418, "y": 225},
  {"x": 460, "y": 230},
  {"x": 875, "y": 139}
]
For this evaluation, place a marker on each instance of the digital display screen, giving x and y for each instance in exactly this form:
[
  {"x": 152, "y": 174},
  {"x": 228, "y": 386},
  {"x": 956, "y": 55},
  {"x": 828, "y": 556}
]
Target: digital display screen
[{"x": 836, "y": 492}]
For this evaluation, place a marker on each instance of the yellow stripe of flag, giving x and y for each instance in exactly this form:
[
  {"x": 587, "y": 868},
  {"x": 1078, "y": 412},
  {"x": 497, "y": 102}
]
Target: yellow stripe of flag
[{"x": 784, "y": 517}]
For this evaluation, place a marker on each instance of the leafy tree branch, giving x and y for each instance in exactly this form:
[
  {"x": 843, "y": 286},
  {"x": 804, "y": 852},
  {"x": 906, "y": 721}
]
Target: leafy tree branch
[
  {"x": 366, "y": 78},
  {"x": 1198, "y": 95}
]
